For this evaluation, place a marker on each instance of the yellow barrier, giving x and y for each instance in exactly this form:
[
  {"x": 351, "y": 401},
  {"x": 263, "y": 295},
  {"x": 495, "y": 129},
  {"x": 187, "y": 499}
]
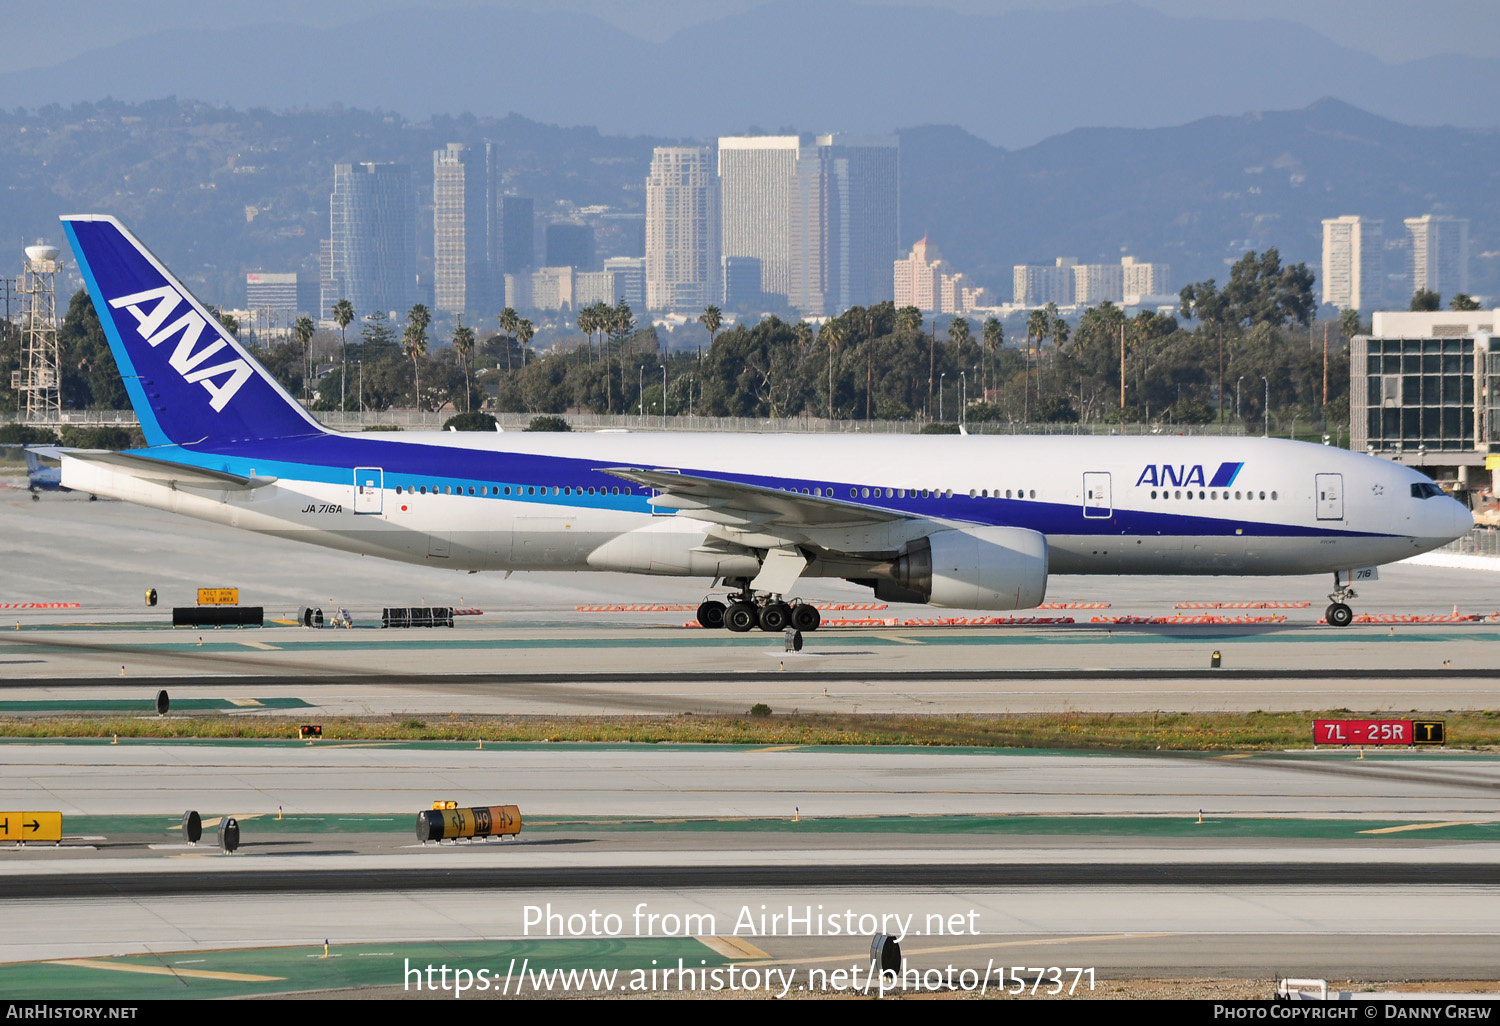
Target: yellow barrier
[{"x": 480, "y": 821}]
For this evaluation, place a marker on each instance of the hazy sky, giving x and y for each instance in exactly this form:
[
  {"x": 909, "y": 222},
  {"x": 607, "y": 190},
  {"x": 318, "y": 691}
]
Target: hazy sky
[{"x": 1398, "y": 30}]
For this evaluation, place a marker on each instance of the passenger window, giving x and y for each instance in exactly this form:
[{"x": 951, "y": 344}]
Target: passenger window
[
  {"x": 1273, "y": 496},
  {"x": 424, "y": 489},
  {"x": 1033, "y": 493}
]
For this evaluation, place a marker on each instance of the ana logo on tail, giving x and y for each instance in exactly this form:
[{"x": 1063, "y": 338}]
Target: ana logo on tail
[{"x": 152, "y": 309}]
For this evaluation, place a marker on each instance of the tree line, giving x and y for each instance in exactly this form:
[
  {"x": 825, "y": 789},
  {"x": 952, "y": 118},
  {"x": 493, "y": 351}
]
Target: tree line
[{"x": 1246, "y": 343}]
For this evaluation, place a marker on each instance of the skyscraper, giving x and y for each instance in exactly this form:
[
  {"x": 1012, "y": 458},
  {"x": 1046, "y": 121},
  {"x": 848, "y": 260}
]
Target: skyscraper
[
  {"x": 373, "y": 236},
  {"x": 682, "y": 229},
  {"x": 755, "y": 182},
  {"x": 570, "y": 245},
  {"x": 461, "y": 276},
  {"x": 845, "y": 214},
  {"x": 1353, "y": 262},
  {"x": 1439, "y": 254}
]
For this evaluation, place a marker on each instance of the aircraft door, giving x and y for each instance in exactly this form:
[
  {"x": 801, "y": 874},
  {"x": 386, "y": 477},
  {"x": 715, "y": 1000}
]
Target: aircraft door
[
  {"x": 1330, "y": 496},
  {"x": 1098, "y": 502},
  {"x": 369, "y": 489}
]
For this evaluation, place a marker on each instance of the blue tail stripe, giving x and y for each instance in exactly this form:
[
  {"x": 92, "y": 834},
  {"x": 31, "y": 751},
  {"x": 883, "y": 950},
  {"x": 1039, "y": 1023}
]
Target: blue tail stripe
[{"x": 143, "y": 411}]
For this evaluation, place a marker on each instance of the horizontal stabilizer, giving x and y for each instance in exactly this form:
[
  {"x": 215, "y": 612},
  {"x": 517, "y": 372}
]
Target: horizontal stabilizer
[{"x": 165, "y": 471}]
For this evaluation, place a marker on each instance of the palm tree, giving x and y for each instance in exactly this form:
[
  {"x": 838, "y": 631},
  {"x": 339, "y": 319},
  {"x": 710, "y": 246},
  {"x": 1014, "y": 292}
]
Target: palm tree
[
  {"x": 524, "y": 332},
  {"x": 832, "y": 334},
  {"x": 1037, "y": 326},
  {"x": 588, "y": 316},
  {"x": 414, "y": 344},
  {"x": 303, "y": 330},
  {"x": 993, "y": 334},
  {"x": 713, "y": 320},
  {"x": 343, "y": 316},
  {"x": 908, "y": 318},
  {"x": 508, "y": 321},
  {"x": 463, "y": 345}
]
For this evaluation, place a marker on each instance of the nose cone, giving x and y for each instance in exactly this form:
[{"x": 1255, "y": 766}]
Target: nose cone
[{"x": 1458, "y": 519}]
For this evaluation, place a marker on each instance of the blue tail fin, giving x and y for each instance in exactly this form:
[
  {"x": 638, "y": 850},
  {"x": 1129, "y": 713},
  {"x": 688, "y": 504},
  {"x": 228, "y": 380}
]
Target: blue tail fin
[{"x": 188, "y": 379}]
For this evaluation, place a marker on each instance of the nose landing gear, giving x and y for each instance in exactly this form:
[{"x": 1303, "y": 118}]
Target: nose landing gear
[{"x": 1338, "y": 613}]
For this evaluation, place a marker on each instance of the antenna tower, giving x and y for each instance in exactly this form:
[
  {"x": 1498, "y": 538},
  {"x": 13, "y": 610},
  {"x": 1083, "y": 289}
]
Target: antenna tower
[{"x": 41, "y": 377}]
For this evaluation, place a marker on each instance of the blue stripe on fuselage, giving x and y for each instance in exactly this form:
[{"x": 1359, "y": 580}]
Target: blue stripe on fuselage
[{"x": 331, "y": 459}]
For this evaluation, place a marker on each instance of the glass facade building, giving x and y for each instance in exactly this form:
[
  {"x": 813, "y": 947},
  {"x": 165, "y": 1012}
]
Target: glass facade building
[
  {"x": 373, "y": 236},
  {"x": 1417, "y": 394}
]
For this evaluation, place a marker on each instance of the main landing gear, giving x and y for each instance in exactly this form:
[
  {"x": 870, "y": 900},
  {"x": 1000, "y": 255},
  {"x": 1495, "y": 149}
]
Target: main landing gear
[
  {"x": 770, "y": 613},
  {"x": 1338, "y": 613}
]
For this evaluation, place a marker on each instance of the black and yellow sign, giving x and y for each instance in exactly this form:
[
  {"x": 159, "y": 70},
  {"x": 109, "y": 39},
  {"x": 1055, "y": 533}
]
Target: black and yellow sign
[
  {"x": 218, "y": 596},
  {"x": 31, "y": 826},
  {"x": 1429, "y": 732},
  {"x": 483, "y": 821}
]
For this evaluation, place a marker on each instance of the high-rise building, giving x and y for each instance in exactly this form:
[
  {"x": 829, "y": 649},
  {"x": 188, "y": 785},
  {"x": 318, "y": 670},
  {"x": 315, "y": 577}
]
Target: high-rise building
[
  {"x": 630, "y": 275},
  {"x": 510, "y": 244},
  {"x": 272, "y": 302},
  {"x": 682, "y": 229},
  {"x": 1353, "y": 262},
  {"x": 756, "y": 184},
  {"x": 570, "y": 245},
  {"x": 918, "y": 277},
  {"x": 1040, "y": 284},
  {"x": 461, "y": 275},
  {"x": 1143, "y": 279},
  {"x": 845, "y": 215},
  {"x": 1098, "y": 283},
  {"x": 373, "y": 236},
  {"x": 742, "y": 277},
  {"x": 1439, "y": 254}
]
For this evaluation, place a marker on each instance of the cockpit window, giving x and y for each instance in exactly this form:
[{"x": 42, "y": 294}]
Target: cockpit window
[{"x": 1425, "y": 490}]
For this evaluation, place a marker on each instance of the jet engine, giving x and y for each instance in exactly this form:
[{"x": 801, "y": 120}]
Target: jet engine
[{"x": 970, "y": 568}]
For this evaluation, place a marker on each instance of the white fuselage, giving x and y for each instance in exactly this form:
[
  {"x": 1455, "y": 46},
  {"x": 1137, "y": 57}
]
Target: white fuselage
[{"x": 1106, "y": 505}]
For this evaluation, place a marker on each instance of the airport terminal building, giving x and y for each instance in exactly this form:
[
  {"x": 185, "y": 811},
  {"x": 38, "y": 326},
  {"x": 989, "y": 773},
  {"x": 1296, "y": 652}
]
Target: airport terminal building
[{"x": 1425, "y": 391}]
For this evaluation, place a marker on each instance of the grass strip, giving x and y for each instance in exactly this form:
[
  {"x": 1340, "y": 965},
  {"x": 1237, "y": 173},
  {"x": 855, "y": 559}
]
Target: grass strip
[{"x": 1199, "y": 732}]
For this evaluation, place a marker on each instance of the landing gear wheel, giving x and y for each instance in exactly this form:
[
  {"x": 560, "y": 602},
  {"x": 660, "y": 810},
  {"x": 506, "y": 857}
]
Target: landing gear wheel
[
  {"x": 740, "y": 617},
  {"x": 711, "y": 614},
  {"x": 35, "y": 497},
  {"x": 805, "y": 618},
  {"x": 1339, "y": 615},
  {"x": 774, "y": 617}
]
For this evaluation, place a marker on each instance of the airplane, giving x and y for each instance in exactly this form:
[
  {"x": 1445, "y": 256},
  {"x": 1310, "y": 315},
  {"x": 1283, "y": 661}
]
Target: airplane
[
  {"x": 41, "y": 478},
  {"x": 972, "y": 522}
]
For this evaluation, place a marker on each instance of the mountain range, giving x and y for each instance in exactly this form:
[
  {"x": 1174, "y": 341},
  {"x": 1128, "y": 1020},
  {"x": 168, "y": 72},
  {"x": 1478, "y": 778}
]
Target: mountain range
[{"x": 1012, "y": 79}]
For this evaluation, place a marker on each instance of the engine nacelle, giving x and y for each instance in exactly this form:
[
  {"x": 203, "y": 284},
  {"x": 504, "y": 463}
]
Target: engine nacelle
[{"x": 972, "y": 568}]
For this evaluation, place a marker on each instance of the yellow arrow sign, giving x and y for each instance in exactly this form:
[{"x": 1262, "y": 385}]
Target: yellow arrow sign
[{"x": 30, "y": 826}]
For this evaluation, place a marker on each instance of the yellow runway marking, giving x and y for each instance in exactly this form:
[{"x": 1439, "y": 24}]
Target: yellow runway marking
[
  {"x": 777, "y": 748},
  {"x": 732, "y": 947},
  {"x": 260, "y": 645},
  {"x": 904, "y": 641},
  {"x": 1419, "y": 826},
  {"x": 972, "y": 947},
  {"x": 243, "y": 701},
  {"x": 161, "y": 970}
]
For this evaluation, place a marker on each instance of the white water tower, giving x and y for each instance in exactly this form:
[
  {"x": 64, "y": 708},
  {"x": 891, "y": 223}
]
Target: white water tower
[{"x": 40, "y": 382}]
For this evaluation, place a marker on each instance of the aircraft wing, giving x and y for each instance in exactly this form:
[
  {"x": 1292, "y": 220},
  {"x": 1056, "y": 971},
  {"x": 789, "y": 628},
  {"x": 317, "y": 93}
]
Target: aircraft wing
[
  {"x": 165, "y": 471},
  {"x": 736, "y": 504}
]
